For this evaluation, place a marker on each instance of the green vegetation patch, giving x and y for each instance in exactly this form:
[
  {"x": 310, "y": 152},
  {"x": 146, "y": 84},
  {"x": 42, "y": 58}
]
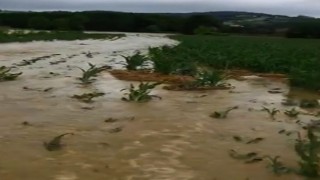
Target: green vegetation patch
[{"x": 299, "y": 58}]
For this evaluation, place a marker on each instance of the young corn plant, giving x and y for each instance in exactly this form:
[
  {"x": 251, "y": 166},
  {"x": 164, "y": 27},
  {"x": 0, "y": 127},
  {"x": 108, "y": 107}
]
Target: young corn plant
[
  {"x": 55, "y": 143},
  {"x": 308, "y": 151},
  {"x": 277, "y": 166},
  {"x": 222, "y": 114},
  {"x": 89, "y": 74},
  {"x": 272, "y": 112},
  {"x": 207, "y": 79},
  {"x": 161, "y": 60},
  {"x": 87, "y": 97},
  {"x": 251, "y": 157},
  {"x": 135, "y": 61},
  {"x": 293, "y": 113},
  {"x": 5, "y": 74},
  {"x": 140, "y": 93},
  {"x": 210, "y": 79}
]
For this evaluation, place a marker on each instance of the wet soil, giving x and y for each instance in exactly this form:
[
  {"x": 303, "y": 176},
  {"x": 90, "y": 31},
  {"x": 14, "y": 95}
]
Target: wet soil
[{"x": 145, "y": 75}]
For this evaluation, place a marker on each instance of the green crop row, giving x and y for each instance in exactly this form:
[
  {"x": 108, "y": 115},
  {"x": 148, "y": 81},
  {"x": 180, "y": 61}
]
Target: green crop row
[{"x": 299, "y": 58}]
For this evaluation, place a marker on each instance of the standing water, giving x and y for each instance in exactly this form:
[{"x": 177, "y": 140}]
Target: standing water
[{"x": 170, "y": 139}]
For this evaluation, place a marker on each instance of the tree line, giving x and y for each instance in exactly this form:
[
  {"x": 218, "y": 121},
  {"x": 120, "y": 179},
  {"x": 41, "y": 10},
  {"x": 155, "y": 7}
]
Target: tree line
[
  {"x": 106, "y": 21},
  {"x": 298, "y": 27}
]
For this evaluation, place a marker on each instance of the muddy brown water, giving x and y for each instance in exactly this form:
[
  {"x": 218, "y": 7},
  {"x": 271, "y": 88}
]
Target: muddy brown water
[{"x": 169, "y": 139}]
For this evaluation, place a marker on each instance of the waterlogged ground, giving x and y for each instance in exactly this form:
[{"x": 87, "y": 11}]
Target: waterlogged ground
[{"x": 169, "y": 139}]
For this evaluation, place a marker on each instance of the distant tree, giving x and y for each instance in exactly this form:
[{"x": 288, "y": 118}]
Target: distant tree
[
  {"x": 153, "y": 28},
  {"x": 61, "y": 24},
  {"x": 141, "y": 22},
  {"x": 304, "y": 28},
  {"x": 77, "y": 22},
  {"x": 39, "y": 22},
  {"x": 195, "y": 21}
]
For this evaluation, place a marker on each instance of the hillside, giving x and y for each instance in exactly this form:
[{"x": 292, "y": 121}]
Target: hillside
[
  {"x": 186, "y": 23},
  {"x": 236, "y": 17}
]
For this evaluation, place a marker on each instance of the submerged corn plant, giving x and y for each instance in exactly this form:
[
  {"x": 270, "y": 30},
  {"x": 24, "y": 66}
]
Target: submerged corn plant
[
  {"x": 210, "y": 78},
  {"x": 293, "y": 113},
  {"x": 222, "y": 114},
  {"x": 272, "y": 112},
  {"x": 141, "y": 93},
  {"x": 135, "y": 61},
  {"x": 251, "y": 157},
  {"x": 89, "y": 55},
  {"x": 87, "y": 97},
  {"x": 184, "y": 68},
  {"x": 277, "y": 166},
  {"x": 206, "y": 80},
  {"x": 55, "y": 143},
  {"x": 5, "y": 74},
  {"x": 309, "y": 103},
  {"x": 255, "y": 140},
  {"x": 89, "y": 74},
  {"x": 308, "y": 151}
]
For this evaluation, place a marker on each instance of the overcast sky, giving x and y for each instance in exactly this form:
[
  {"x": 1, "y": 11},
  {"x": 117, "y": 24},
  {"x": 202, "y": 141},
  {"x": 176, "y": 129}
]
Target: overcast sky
[{"x": 285, "y": 7}]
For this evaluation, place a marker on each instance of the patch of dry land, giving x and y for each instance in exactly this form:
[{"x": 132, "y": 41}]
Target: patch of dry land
[{"x": 169, "y": 139}]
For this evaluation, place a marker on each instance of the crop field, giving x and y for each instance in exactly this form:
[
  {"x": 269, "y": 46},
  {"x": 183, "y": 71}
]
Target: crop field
[
  {"x": 298, "y": 58},
  {"x": 138, "y": 106}
]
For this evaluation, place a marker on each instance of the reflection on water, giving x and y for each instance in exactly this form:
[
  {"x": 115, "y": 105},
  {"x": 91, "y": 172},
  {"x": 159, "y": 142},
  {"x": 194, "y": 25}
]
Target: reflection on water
[{"x": 173, "y": 138}]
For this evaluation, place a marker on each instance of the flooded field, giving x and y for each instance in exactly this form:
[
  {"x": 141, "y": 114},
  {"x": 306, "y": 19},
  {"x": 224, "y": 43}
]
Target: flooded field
[{"x": 170, "y": 139}]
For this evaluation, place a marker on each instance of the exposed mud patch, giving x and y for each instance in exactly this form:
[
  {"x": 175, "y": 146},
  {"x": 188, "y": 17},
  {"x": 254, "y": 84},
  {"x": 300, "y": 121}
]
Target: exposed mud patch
[{"x": 150, "y": 76}]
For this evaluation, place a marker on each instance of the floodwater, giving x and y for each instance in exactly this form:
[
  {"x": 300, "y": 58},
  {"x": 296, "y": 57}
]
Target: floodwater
[{"x": 169, "y": 139}]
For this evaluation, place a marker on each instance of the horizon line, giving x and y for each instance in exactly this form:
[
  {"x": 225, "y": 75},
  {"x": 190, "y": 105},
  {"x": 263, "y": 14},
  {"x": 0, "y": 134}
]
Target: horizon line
[{"x": 189, "y": 12}]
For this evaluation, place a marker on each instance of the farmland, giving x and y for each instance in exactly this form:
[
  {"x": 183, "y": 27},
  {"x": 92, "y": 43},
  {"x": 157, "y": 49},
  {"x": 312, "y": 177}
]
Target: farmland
[
  {"x": 298, "y": 58},
  {"x": 152, "y": 106}
]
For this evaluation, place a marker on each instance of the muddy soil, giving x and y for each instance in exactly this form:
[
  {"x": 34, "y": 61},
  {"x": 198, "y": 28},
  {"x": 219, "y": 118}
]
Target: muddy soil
[
  {"x": 149, "y": 76},
  {"x": 170, "y": 139}
]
